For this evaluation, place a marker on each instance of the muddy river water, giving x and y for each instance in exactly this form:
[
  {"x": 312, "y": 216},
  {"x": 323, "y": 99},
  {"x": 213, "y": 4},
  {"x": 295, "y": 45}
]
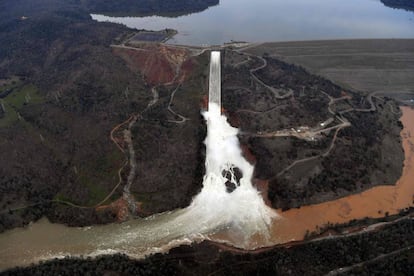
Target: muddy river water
[
  {"x": 373, "y": 203},
  {"x": 44, "y": 240}
]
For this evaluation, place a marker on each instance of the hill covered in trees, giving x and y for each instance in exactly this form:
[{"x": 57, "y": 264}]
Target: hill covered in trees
[
  {"x": 148, "y": 7},
  {"x": 399, "y": 4}
]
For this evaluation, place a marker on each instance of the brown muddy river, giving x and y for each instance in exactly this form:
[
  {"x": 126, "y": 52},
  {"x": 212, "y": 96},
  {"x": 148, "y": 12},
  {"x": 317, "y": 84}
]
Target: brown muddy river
[
  {"x": 43, "y": 240},
  {"x": 373, "y": 203}
]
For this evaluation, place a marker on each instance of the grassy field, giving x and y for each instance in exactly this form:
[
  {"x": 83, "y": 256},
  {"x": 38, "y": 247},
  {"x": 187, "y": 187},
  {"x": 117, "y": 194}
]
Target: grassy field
[
  {"x": 365, "y": 65},
  {"x": 14, "y": 102}
]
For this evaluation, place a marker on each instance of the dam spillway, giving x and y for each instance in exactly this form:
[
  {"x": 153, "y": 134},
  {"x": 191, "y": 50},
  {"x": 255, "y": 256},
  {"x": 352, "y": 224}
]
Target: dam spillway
[
  {"x": 242, "y": 212},
  {"x": 214, "y": 89}
]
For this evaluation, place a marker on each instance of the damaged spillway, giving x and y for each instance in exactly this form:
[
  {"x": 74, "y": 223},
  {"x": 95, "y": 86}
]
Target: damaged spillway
[
  {"x": 240, "y": 207},
  {"x": 215, "y": 208},
  {"x": 227, "y": 201}
]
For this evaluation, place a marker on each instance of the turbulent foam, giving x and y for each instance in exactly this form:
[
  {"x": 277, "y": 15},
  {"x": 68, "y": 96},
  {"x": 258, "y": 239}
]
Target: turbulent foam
[
  {"x": 244, "y": 208},
  {"x": 243, "y": 211}
]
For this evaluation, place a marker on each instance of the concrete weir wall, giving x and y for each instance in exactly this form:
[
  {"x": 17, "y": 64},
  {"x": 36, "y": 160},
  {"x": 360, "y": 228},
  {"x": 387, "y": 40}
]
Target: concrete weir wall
[{"x": 214, "y": 92}]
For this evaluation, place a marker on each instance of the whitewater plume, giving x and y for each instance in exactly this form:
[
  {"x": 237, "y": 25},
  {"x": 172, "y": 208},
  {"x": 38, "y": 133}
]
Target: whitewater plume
[{"x": 242, "y": 207}]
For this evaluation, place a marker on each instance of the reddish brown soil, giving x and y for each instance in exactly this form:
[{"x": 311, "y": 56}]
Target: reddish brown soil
[
  {"x": 157, "y": 63},
  {"x": 187, "y": 67},
  {"x": 120, "y": 208},
  {"x": 204, "y": 103},
  {"x": 263, "y": 186},
  {"x": 234, "y": 120},
  {"x": 247, "y": 154}
]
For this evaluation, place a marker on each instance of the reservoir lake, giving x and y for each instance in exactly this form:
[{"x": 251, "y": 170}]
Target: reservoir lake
[{"x": 279, "y": 20}]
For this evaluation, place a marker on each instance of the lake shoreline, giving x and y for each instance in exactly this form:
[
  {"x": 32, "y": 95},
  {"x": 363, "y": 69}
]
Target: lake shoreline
[{"x": 276, "y": 23}]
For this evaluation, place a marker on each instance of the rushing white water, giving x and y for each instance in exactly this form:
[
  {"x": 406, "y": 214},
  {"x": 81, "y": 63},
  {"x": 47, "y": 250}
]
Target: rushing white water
[
  {"x": 214, "y": 208},
  {"x": 244, "y": 208},
  {"x": 241, "y": 211}
]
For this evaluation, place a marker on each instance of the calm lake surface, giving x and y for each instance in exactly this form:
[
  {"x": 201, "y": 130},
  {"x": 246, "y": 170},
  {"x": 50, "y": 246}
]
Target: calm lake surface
[{"x": 280, "y": 20}]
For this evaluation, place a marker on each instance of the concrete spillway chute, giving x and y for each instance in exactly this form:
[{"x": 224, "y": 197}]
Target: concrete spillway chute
[{"x": 214, "y": 93}]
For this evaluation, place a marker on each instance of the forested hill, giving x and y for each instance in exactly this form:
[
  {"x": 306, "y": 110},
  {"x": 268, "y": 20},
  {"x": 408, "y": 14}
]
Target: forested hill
[
  {"x": 52, "y": 51},
  {"x": 399, "y": 4},
  {"x": 148, "y": 7}
]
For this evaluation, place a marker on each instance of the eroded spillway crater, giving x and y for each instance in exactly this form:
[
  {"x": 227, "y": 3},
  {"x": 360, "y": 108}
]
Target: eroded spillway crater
[{"x": 233, "y": 176}]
